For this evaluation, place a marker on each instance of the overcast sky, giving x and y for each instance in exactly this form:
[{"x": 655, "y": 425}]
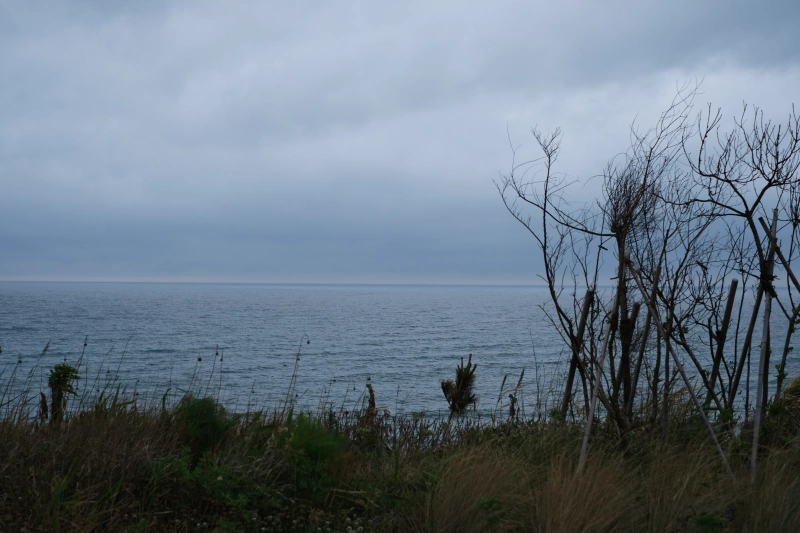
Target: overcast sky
[{"x": 353, "y": 142}]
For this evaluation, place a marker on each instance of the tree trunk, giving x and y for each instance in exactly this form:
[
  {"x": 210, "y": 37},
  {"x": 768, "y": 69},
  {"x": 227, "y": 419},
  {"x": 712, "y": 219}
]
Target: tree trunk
[
  {"x": 686, "y": 381},
  {"x": 577, "y": 348},
  {"x": 762, "y": 386},
  {"x": 720, "y": 338},
  {"x": 643, "y": 346},
  {"x": 597, "y": 379},
  {"x": 748, "y": 339}
]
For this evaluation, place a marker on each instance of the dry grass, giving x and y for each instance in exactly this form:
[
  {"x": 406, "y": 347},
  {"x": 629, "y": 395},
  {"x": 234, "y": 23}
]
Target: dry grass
[
  {"x": 677, "y": 484},
  {"x": 663, "y": 487},
  {"x": 773, "y": 504},
  {"x": 124, "y": 465},
  {"x": 593, "y": 500},
  {"x": 480, "y": 487}
]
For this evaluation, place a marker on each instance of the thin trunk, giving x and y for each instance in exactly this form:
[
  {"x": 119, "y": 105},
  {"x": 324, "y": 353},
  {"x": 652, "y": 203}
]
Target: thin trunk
[
  {"x": 686, "y": 381},
  {"x": 765, "y": 378},
  {"x": 762, "y": 388},
  {"x": 597, "y": 378},
  {"x": 722, "y": 335},
  {"x": 708, "y": 385},
  {"x": 747, "y": 392},
  {"x": 786, "y": 350},
  {"x": 783, "y": 260},
  {"x": 577, "y": 348},
  {"x": 748, "y": 339},
  {"x": 585, "y": 386},
  {"x": 620, "y": 321},
  {"x": 656, "y": 374},
  {"x": 645, "y": 334},
  {"x": 626, "y": 338},
  {"x": 795, "y": 312},
  {"x": 667, "y": 385}
]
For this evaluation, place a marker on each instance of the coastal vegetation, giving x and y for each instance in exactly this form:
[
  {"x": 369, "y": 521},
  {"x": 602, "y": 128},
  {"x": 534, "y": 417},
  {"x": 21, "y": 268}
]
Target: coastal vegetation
[
  {"x": 694, "y": 217},
  {"x": 678, "y": 411},
  {"x": 117, "y": 462}
]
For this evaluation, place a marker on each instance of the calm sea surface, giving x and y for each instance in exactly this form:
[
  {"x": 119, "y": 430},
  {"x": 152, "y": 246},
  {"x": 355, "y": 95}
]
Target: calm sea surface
[{"x": 403, "y": 340}]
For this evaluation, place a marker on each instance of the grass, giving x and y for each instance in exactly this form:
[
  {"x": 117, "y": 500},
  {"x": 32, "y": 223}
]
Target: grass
[{"x": 120, "y": 463}]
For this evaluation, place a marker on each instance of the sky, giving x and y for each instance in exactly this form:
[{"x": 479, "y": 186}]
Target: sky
[{"x": 335, "y": 142}]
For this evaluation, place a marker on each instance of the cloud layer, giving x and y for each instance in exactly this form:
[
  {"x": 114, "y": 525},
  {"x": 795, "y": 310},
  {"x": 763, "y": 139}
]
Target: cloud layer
[{"x": 285, "y": 142}]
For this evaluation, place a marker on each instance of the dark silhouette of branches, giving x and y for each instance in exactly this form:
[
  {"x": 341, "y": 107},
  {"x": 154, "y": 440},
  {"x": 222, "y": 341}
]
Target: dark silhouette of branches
[{"x": 686, "y": 203}]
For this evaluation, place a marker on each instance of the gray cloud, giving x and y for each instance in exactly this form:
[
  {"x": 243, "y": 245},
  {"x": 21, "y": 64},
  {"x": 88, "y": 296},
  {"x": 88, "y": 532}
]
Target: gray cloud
[{"x": 293, "y": 142}]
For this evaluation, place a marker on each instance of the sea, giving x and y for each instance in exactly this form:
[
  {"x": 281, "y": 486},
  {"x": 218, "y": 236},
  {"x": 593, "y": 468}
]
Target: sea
[
  {"x": 244, "y": 343},
  {"x": 262, "y": 346}
]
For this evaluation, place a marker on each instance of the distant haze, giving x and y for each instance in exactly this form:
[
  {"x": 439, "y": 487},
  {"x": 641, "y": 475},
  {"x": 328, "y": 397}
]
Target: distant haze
[{"x": 354, "y": 142}]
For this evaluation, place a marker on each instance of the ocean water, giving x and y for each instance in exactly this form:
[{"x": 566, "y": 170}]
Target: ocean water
[
  {"x": 241, "y": 342},
  {"x": 402, "y": 339}
]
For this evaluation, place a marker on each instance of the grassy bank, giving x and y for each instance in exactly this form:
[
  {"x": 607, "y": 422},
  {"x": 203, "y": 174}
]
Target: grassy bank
[{"x": 124, "y": 465}]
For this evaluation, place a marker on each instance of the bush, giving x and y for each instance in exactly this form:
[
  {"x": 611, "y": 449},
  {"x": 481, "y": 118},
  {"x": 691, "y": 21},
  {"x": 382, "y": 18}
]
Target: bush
[
  {"x": 315, "y": 455},
  {"x": 203, "y": 424}
]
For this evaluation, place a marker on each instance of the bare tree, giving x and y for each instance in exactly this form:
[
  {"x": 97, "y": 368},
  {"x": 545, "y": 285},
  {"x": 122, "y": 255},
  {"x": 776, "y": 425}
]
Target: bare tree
[{"x": 688, "y": 202}]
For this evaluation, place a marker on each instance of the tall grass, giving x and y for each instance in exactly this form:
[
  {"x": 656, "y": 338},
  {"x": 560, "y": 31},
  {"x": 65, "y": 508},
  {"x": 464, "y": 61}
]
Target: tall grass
[{"x": 119, "y": 461}]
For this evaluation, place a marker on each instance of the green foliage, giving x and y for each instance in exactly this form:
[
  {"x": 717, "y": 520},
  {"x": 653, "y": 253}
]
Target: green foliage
[
  {"x": 222, "y": 484},
  {"x": 203, "y": 423},
  {"x": 60, "y": 382},
  {"x": 459, "y": 394},
  {"x": 114, "y": 405},
  {"x": 775, "y": 408},
  {"x": 308, "y": 437},
  {"x": 782, "y": 424},
  {"x": 197, "y": 467},
  {"x": 781, "y": 373},
  {"x": 492, "y": 510},
  {"x": 725, "y": 416},
  {"x": 61, "y": 378},
  {"x": 308, "y": 472},
  {"x": 314, "y": 455},
  {"x": 707, "y": 523}
]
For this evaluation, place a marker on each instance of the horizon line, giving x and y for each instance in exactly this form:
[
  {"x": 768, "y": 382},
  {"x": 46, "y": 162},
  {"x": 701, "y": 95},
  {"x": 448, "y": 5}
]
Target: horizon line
[{"x": 286, "y": 283}]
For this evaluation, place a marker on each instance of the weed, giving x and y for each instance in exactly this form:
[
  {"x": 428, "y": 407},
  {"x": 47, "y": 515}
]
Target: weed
[
  {"x": 459, "y": 394},
  {"x": 60, "y": 383},
  {"x": 119, "y": 465},
  {"x": 204, "y": 423},
  {"x": 314, "y": 453}
]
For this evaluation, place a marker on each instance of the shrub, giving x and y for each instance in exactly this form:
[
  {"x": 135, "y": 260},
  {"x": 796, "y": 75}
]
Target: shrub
[
  {"x": 314, "y": 455},
  {"x": 203, "y": 423}
]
